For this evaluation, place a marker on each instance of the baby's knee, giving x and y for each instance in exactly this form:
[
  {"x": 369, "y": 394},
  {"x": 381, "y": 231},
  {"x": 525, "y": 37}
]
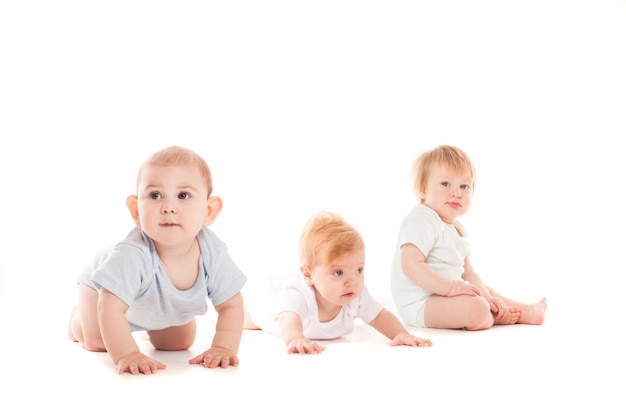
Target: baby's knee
[
  {"x": 93, "y": 344},
  {"x": 90, "y": 339},
  {"x": 174, "y": 338},
  {"x": 170, "y": 344},
  {"x": 479, "y": 315}
]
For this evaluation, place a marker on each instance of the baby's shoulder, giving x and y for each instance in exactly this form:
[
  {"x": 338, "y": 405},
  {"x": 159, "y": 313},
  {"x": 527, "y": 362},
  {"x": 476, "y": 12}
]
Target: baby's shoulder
[
  {"x": 423, "y": 214},
  {"x": 136, "y": 241}
]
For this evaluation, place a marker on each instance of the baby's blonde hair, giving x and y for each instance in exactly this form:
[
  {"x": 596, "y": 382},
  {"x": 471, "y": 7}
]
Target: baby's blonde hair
[
  {"x": 180, "y": 157},
  {"x": 447, "y": 156},
  {"x": 325, "y": 238}
]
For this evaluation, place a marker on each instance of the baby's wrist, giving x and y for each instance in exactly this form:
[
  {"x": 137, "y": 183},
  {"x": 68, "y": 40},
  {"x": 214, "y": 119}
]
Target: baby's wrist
[{"x": 447, "y": 294}]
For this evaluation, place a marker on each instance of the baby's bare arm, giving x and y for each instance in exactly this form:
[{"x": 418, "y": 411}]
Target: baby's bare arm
[
  {"x": 292, "y": 334},
  {"x": 389, "y": 325},
  {"x": 118, "y": 337},
  {"x": 228, "y": 331},
  {"x": 415, "y": 267},
  {"x": 115, "y": 329},
  {"x": 471, "y": 276}
]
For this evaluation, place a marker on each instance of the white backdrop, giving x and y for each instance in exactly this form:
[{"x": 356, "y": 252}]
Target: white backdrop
[{"x": 301, "y": 106}]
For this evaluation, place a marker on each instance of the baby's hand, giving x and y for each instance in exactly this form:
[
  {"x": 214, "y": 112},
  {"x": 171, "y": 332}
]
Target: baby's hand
[
  {"x": 137, "y": 362},
  {"x": 462, "y": 288},
  {"x": 408, "y": 339},
  {"x": 498, "y": 307},
  {"x": 214, "y": 357},
  {"x": 304, "y": 346}
]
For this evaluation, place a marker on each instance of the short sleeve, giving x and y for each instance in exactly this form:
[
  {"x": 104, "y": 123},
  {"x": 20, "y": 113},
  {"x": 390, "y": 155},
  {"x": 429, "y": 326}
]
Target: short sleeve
[
  {"x": 223, "y": 277},
  {"x": 421, "y": 228},
  {"x": 123, "y": 272},
  {"x": 369, "y": 307}
]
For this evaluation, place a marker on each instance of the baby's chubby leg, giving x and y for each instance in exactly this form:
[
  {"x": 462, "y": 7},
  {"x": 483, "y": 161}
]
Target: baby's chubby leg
[
  {"x": 175, "y": 337},
  {"x": 84, "y": 327},
  {"x": 459, "y": 312}
]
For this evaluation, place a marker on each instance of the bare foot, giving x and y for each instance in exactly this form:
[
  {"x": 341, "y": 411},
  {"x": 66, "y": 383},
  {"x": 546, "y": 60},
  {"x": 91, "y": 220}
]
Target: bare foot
[
  {"x": 534, "y": 313},
  {"x": 511, "y": 316}
]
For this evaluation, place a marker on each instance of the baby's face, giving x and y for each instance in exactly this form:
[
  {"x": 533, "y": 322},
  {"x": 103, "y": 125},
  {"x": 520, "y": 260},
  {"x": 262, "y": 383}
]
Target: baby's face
[
  {"x": 342, "y": 281},
  {"x": 172, "y": 203},
  {"x": 450, "y": 195}
]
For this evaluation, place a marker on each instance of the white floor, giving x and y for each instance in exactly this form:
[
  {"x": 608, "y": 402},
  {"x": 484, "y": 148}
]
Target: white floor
[{"x": 559, "y": 368}]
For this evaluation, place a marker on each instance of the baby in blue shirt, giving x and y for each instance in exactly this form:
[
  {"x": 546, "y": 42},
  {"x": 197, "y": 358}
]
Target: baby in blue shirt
[{"x": 159, "y": 276}]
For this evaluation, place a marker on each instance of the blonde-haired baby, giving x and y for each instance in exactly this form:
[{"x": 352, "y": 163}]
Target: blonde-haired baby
[
  {"x": 323, "y": 301},
  {"x": 433, "y": 282},
  {"x": 158, "y": 277}
]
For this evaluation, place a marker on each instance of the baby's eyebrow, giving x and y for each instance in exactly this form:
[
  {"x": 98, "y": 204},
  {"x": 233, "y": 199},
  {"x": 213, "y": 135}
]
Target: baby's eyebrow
[
  {"x": 178, "y": 187},
  {"x": 187, "y": 187}
]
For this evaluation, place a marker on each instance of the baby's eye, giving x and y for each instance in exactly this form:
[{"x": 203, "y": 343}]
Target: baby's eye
[
  {"x": 465, "y": 187},
  {"x": 338, "y": 273},
  {"x": 445, "y": 183},
  {"x": 155, "y": 195},
  {"x": 359, "y": 270},
  {"x": 183, "y": 195}
]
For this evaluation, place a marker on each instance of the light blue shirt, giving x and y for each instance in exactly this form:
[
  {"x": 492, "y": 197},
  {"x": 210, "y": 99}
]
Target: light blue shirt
[{"x": 132, "y": 271}]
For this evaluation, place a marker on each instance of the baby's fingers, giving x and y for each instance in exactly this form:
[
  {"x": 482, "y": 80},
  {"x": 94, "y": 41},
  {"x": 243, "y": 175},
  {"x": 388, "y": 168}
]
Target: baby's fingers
[
  {"x": 216, "y": 360},
  {"x": 410, "y": 341},
  {"x": 146, "y": 367},
  {"x": 499, "y": 308},
  {"x": 462, "y": 288},
  {"x": 216, "y": 357},
  {"x": 315, "y": 348},
  {"x": 471, "y": 290},
  {"x": 305, "y": 348}
]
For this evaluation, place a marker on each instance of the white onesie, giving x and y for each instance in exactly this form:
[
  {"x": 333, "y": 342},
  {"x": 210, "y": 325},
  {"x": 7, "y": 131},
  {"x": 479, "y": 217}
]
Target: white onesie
[{"x": 445, "y": 252}]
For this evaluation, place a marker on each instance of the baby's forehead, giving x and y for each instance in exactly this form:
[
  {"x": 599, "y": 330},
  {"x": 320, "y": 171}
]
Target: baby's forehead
[
  {"x": 356, "y": 255},
  {"x": 157, "y": 168},
  {"x": 157, "y": 173},
  {"x": 447, "y": 169}
]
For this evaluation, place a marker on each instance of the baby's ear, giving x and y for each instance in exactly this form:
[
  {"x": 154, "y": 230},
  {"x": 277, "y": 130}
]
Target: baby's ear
[
  {"x": 131, "y": 203},
  {"x": 306, "y": 274},
  {"x": 214, "y": 206}
]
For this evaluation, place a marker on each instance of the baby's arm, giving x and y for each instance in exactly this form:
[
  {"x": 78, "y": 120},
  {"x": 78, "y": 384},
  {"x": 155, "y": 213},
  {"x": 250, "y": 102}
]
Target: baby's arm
[
  {"x": 470, "y": 275},
  {"x": 292, "y": 334},
  {"x": 118, "y": 338},
  {"x": 415, "y": 267},
  {"x": 228, "y": 331},
  {"x": 389, "y": 325}
]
